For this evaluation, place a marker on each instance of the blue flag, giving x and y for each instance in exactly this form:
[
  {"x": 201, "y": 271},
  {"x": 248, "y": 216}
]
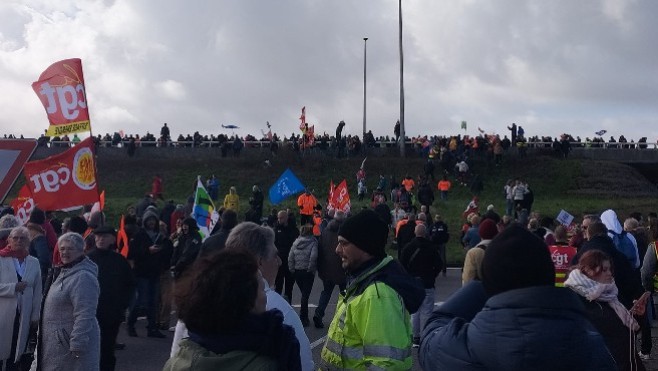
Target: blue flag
[{"x": 287, "y": 185}]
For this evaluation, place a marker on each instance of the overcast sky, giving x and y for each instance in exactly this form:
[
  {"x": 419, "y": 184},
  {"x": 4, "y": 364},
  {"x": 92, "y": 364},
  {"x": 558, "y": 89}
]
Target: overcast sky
[{"x": 550, "y": 66}]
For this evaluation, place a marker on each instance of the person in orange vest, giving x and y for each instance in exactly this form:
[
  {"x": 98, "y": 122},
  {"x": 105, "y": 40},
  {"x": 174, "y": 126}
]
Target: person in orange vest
[
  {"x": 562, "y": 254},
  {"x": 408, "y": 183},
  {"x": 306, "y": 203},
  {"x": 317, "y": 220},
  {"x": 444, "y": 186}
]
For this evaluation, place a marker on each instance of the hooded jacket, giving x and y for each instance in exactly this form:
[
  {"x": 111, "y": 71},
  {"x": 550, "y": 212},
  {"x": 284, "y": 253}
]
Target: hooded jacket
[
  {"x": 69, "y": 320},
  {"x": 303, "y": 255},
  {"x": 372, "y": 326},
  {"x": 533, "y": 328},
  {"x": 146, "y": 264},
  {"x": 609, "y": 218}
]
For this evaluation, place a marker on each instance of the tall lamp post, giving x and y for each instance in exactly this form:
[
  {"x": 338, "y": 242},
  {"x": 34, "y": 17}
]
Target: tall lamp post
[
  {"x": 402, "y": 131},
  {"x": 365, "y": 41}
]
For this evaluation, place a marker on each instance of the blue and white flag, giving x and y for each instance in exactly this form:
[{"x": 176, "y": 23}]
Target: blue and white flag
[
  {"x": 287, "y": 185},
  {"x": 601, "y": 132}
]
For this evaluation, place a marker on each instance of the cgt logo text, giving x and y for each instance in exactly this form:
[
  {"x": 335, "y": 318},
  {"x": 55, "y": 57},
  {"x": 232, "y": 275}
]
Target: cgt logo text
[
  {"x": 66, "y": 99},
  {"x": 83, "y": 174}
]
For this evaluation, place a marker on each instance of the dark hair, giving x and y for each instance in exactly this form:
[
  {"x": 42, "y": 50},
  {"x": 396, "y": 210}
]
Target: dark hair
[
  {"x": 229, "y": 219},
  {"x": 597, "y": 229},
  {"x": 593, "y": 261},
  {"x": 219, "y": 293}
]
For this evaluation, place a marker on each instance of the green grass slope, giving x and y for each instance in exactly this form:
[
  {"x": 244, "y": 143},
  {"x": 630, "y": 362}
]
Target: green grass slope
[{"x": 577, "y": 186}]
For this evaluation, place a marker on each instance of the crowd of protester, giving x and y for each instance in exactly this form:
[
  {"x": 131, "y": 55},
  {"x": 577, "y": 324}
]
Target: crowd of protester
[{"x": 80, "y": 278}]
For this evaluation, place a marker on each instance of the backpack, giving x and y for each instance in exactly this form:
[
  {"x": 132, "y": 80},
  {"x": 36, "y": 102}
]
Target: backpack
[{"x": 624, "y": 244}]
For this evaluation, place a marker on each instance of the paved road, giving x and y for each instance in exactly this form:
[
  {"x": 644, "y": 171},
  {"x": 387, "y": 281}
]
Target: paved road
[{"x": 148, "y": 354}]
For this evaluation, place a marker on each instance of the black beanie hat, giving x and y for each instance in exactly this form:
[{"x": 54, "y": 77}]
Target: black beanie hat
[
  {"x": 367, "y": 232},
  {"x": 37, "y": 216},
  {"x": 516, "y": 258}
]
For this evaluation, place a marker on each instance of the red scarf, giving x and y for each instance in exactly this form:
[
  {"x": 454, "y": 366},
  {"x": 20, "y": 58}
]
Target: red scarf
[{"x": 18, "y": 254}]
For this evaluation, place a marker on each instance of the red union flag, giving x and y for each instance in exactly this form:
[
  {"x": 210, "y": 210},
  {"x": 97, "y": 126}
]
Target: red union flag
[
  {"x": 64, "y": 180},
  {"x": 303, "y": 119},
  {"x": 23, "y": 205},
  {"x": 340, "y": 197},
  {"x": 61, "y": 89}
]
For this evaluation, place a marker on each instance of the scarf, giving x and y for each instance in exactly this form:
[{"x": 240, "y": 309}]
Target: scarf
[
  {"x": 263, "y": 333},
  {"x": 603, "y": 292},
  {"x": 7, "y": 252}
]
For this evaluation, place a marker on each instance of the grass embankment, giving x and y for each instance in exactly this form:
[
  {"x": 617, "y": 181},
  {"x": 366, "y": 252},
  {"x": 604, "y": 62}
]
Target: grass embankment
[{"x": 577, "y": 186}]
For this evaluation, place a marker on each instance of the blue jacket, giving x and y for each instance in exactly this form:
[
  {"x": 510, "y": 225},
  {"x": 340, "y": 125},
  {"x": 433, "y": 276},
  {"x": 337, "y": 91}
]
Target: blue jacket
[{"x": 535, "y": 328}]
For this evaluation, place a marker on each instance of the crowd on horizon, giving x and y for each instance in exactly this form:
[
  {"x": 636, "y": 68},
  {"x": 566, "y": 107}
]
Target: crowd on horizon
[
  {"x": 232, "y": 290},
  {"x": 325, "y": 141}
]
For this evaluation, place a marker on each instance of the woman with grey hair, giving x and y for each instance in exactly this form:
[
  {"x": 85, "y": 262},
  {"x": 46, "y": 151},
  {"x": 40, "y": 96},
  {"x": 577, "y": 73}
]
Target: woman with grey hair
[
  {"x": 69, "y": 338},
  {"x": 20, "y": 297}
]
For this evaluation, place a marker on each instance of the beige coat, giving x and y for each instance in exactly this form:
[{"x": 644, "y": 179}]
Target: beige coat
[
  {"x": 30, "y": 303},
  {"x": 473, "y": 262}
]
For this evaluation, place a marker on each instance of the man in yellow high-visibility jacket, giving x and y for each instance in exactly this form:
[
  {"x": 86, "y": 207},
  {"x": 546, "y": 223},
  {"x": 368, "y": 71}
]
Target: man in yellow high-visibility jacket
[{"x": 371, "y": 328}]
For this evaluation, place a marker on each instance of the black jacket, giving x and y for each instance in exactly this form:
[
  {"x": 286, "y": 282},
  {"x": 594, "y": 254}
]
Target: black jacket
[
  {"x": 284, "y": 236},
  {"x": 421, "y": 259},
  {"x": 116, "y": 282}
]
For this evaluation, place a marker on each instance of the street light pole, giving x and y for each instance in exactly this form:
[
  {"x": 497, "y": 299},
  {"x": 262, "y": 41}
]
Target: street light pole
[
  {"x": 365, "y": 40},
  {"x": 402, "y": 131}
]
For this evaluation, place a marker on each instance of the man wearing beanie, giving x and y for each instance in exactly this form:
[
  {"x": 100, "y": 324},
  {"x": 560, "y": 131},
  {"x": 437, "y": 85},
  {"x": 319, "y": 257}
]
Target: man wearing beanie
[
  {"x": 371, "y": 327},
  {"x": 487, "y": 230},
  {"x": 515, "y": 318}
]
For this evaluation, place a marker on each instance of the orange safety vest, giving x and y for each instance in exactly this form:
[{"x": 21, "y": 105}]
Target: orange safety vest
[
  {"x": 562, "y": 256},
  {"x": 444, "y": 185},
  {"x": 306, "y": 204},
  {"x": 317, "y": 220},
  {"x": 408, "y": 184}
]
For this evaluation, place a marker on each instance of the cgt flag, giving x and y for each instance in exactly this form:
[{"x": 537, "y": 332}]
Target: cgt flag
[
  {"x": 287, "y": 185},
  {"x": 340, "y": 198},
  {"x": 61, "y": 89},
  {"x": 204, "y": 210},
  {"x": 23, "y": 205},
  {"x": 65, "y": 180}
]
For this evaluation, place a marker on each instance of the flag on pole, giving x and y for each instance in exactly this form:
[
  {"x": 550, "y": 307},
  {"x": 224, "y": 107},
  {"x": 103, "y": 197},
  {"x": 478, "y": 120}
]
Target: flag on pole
[
  {"x": 340, "y": 198},
  {"x": 23, "y": 205},
  {"x": 204, "y": 210},
  {"x": 303, "y": 118},
  {"x": 122, "y": 238},
  {"x": 61, "y": 89},
  {"x": 64, "y": 180},
  {"x": 287, "y": 185}
]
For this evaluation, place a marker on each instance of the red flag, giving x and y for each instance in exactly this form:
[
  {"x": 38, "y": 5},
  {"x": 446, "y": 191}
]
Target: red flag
[
  {"x": 122, "y": 239},
  {"x": 61, "y": 89},
  {"x": 340, "y": 197},
  {"x": 330, "y": 195},
  {"x": 23, "y": 205},
  {"x": 303, "y": 118},
  {"x": 64, "y": 180}
]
